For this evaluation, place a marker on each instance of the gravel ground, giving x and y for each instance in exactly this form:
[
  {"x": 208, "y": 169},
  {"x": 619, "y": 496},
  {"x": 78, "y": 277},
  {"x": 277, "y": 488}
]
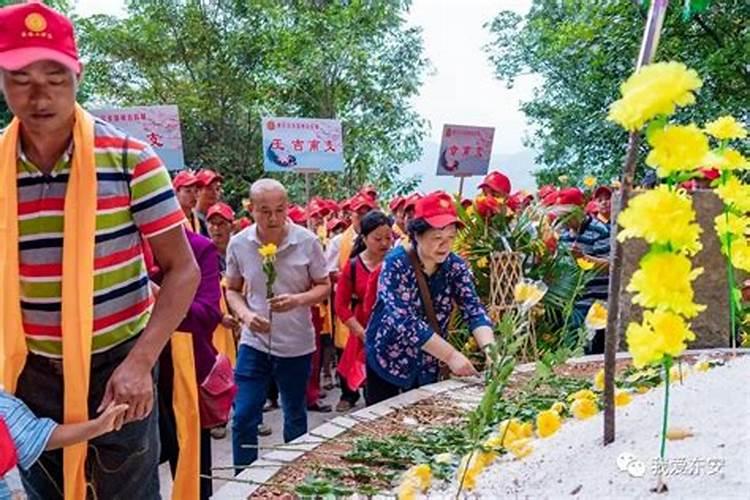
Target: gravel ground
[{"x": 714, "y": 463}]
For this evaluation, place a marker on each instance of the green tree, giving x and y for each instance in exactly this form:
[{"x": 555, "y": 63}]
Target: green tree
[
  {"x": 227, "y": 64},
  {"x": 583, "y": 50}
]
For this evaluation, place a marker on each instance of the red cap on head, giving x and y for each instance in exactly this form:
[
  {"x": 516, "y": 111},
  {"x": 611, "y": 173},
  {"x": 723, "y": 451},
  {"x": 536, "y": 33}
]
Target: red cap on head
[
  {"x": 333, "y": 207},
  {"x": 369, "y": 191},
  {"x": 544, "y": 191},
  {"x": 592, "y": 207},
  {"x": 396, "y": 203},
  {"x": 184, "y": 179},
  {"x": 410, "y": 202},
  {"x": 318, "y": 208},
  {"x": 335, "y": 224},
  {"x": 32, "y": 32},
  {"x": 346, "y": 205},
  {"x": 221, "y": 209},
  {"x": 603, "y": 191},
  {"x": 361, "y": 201},
  {"x": 570, "y": 196},
  {"x": 244, "y": 223},
  {"x": 437, "y": 209},
  {"x": 497, "y": 182},
  {"x": 297, "y": 214},
  {"x": 206, "y": 177},
  {"x": 466, "y": 202}
]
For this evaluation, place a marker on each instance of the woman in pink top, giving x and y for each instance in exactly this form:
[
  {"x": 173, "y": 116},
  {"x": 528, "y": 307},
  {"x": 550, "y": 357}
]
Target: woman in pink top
[{"x": 373, "y": 243}]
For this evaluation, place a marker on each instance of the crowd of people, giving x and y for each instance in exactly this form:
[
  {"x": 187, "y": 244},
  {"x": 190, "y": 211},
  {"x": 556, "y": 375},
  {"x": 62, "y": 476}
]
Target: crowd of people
[{"x": 140, "y": 314}]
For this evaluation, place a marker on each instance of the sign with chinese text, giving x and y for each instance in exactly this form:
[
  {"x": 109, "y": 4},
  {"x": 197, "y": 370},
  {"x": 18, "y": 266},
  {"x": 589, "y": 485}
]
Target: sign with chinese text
[
  {"x": 302, "y": 145},
  {"x": 158, "y": 126},
  {"x": 465, "y": 151}
]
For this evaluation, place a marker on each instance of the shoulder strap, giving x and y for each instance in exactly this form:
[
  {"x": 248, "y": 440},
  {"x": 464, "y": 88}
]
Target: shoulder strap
[
  {"x": 356, "y": 299},
  {"x": 424, "y": 291}
]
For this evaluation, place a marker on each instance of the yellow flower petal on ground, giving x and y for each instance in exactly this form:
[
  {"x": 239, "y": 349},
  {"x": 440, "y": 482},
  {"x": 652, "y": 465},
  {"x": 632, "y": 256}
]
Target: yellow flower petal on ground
[
  {"x": 547, "y": 423},
  {"x": 678, "y": 373},
  {"x": 596, "y": 318},
  {"x": 702, "y": 365},
  {"x": 599, "y": 380},
  {"x": 417, "y": 478},
  {"x": 664, "y": 217},
  {"x": 584, "y": 408},
  {"x": 585, "y": 264},
  {"x": 622, "y": 398},
  {"x": 677, "y": 148},
  {"x": 654, "y": 90},
  {"x": 726, "y": 127},
  {"x": 642, "y": 389},
  {"x": 589, "y": 181},
  {"x": 406, "y": 491},
  {"x": 582, "y": 394},
  {"x": 526, "y": 429},
  {"x": 558, "y": 407},
  {"x": 521, "y": 448},
  {"x": 664, "y": 280}
]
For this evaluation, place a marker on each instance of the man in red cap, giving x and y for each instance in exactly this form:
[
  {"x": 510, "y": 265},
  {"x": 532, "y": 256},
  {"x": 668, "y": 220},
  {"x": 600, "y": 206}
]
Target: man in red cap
[
  {"x": 59, "y": 164},
  {"x": 496, "y": 184},
  {"x": 603, "y": 199},
  {"x": 397, "y": 210},
  {"x": 209, "y": 193},
  {"x": 185, "y": 186}
]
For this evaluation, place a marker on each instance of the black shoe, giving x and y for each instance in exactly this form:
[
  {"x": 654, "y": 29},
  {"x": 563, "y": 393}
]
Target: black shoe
[{"x": 320, "y": 408}]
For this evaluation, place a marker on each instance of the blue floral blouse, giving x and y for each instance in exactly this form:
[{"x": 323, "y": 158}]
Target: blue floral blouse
[{"x": 398, "y": 327}]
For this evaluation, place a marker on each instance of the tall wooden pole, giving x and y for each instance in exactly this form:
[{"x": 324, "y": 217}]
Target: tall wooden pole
[{"x": 650, "y": 41}]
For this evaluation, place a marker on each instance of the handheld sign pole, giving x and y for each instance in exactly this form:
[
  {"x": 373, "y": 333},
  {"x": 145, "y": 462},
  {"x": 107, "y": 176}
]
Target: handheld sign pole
[
  {"x": 650, "y": 41},
  {"x": 461, "y": 187}
]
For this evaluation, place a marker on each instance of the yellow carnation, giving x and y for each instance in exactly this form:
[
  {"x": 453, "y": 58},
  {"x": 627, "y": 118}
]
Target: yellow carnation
[
  {"x": 529, "y": 293},
  {"x": 622, "y": 398},
  {"x": 741, "y": 254},
  {"x": 599, "y": 380},
  {"x": 268, "y": 251},
  {"x": 660, "y": 333},
  {"x": 582, "y": 394},
  {"x": 521, "y": 448},
  {"x": 589, "y": 181},
  {"x": 470, "y": 468},
  {"x": 654, "y": 90},
  {"x": 584, "y": 408},
  {"x": 547, "y": 423},
  {"x": 728, "y": 159},
  {"x": 735, "y": 193},
  {"x": 596, "y": 318},
  {"x": 662, "y": 216},
  {"x": 733, "y": 224},
  {"x": 482, "y": 262},
  {"x": 417, "y": 478},
  {"x": 584, "y": 263},
  {"x": 558, "y": 407},
  {"x": 677, "y": 148},
  {"x": 726, "y": 127},
  {"x": 664, "y": 282}
]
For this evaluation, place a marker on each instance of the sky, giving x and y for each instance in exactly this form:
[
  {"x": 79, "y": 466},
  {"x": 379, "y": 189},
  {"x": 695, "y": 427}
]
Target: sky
[{"x": 460, "y": 88}]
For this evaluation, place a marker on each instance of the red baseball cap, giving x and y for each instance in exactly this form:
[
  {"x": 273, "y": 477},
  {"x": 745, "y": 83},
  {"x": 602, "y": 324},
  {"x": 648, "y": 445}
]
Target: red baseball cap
[
  {"x": 206, "y": 177},
  {"x": 184, "y": 179},
  {"x": 411, "y": 201},
  {"x": 319, "y": 207},
  {"x": 297, "y": 214},
  {"x": 361, "y": 200},
  {"x": 396, "y": 203},
  {"x": 603, "y": 191},
  {"x": 334, "y": 224},
  {"x": 570, "y": 196},
  {"x": 346, "y": 205},
  {"x": 544, "y": 191},
  {"x": 497, "y": 182},
  {"x": 369, "y": 191},
  {"x": 437, "y": 209},
  {"x": 466, "y": 202},
  {"x": 32, "y": 32},
  {"x": 221, "y": 209},
  {"x": 244, "y": 222}
]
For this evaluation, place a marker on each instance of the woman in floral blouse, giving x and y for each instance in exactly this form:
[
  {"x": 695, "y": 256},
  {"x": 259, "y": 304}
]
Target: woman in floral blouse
[{"x": 403, "y": 350}]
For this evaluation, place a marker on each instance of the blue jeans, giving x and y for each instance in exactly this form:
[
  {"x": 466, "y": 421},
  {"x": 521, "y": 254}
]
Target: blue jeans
[{"x": 252, "y": 374}]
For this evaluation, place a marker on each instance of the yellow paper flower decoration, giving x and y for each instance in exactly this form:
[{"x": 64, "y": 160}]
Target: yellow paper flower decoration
[
  {"x": 589, "y": 181},
  {"x": 735, "y": 193},
  {"x": 728, "y": 159},
  {"x": 663, "y": 217},
  {"x": 547, "y": 423},
  {"x": 622, "y": 398},
  {"x": 726, "y": 127},
  {"x": 660, "y": 333},
  {"x": 558, "y": 407},
  {"x": 521, "y": 448},
  {"x": 599, "y": 380},
  {"x": 584, "y": 263},
  {"x": 268, "y": 251},
  {"x": 584, "y": 408},
  {"x": 596, "y": 318},
  {"x": 677, "y": 148},
  {"x": 417, "y": 478},
  {"x": 582, "y": 394},
  {"x": 482, "y": 263},
  {"x": 733, "y": 224},
  {"x": 656, "y": 89},
  {"x": 529, "y": 293},
  {"x": 664, "y": 281}
]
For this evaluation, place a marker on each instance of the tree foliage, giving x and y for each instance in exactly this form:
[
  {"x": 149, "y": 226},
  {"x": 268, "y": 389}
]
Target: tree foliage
[
  {"x": 228, "y": 63},
  {"x": 583, "y": 50}
]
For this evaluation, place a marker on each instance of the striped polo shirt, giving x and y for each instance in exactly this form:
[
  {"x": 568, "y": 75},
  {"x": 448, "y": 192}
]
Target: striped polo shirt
[
  {"x": 593, "y": 239},
  {"x": 134, "y": 200}
]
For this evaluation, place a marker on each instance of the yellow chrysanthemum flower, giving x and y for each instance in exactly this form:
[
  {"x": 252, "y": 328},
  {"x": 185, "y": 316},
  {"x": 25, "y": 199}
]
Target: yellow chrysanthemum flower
[
  {"x": 521, "y": 448},
  {"x": 596, "y": 317},
  {"x": 417, "y": 478},
  {"x": 589, "y": 181},
  {"x": 677, "y": 148},
  {"x": 661, "y": 216},
  {"x": 664, "y": 281},
  {"x": 660, "y": 333},
  {"x": 733, "y": 224},
  {"x": 558, "y": 407},
  {"x": 471, "y": 467},
  {"x": 741, "y": 254},
  {"x": 728, "y": 159},
  {"x": 582, "y": 394},
  {"x": 526, "y": 430},
  {"x": 482, "y": 262},
  {"x": 654, "y": 90},
  {"x": 599, "y": 380},
  {"x": 547, "y": 423},
  {"x": 584, "y": 408},
  {"x": 726, "y": 127},
  {"x": 268, "y": 251},
  {"x": 735, "y": 193},
  {"x": 529, "y": 293},
  {"x": 622, "y": 398},
  {"x": 584, "y": 263},
  {"x": 642, "y": 389}
]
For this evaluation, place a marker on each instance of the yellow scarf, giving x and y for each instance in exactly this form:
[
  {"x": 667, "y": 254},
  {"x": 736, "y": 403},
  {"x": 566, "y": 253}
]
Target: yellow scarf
[
  {"x": 77, "y": 283},
  {"x": 223, "y": 339},
  {"x": 345, "y": 251}
]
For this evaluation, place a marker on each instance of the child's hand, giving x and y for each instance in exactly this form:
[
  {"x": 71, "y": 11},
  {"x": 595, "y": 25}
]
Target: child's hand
[{"x": 111, "y": 418}]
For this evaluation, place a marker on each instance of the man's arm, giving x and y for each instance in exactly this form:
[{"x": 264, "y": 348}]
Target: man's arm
[
  {"x": 238, "y": 304},
  {"x": 131, "y": 383}
]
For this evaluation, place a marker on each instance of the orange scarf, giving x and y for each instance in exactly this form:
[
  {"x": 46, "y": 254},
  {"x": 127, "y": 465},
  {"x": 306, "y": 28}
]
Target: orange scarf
[
  {"x": 77, "y": 283},
  {"x": 345, "y": 251},
  {"x": 223, "y": 339}
]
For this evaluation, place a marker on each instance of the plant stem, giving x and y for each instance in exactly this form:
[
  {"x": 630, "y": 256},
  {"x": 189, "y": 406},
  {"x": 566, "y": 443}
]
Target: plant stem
[
  {"x": 730, "y": 282},
  {"x": 667, "y": 363},
  {"x": 569, "y": 306}
]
